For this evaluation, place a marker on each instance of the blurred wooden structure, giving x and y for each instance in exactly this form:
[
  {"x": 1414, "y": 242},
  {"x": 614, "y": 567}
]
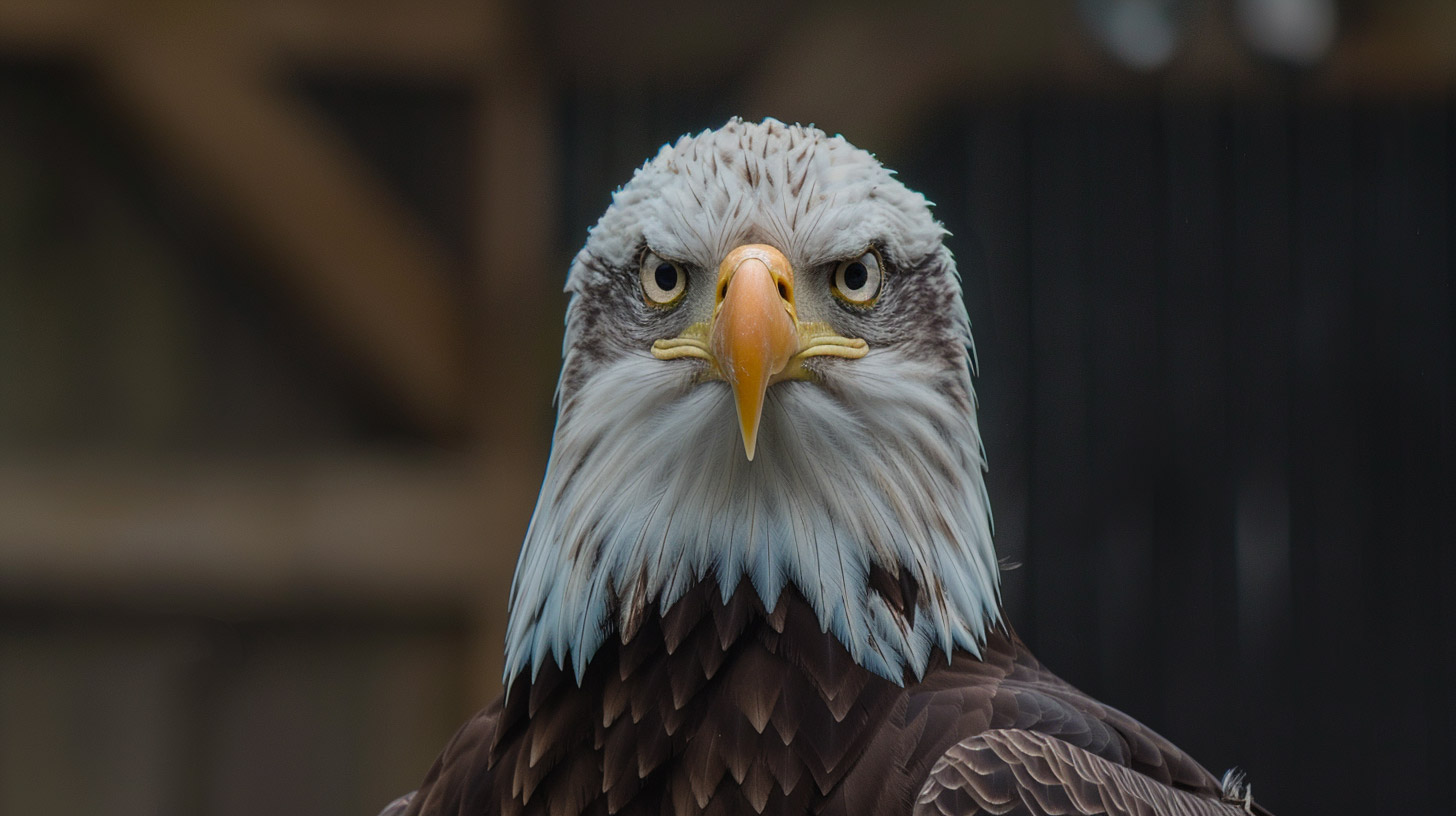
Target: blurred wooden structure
[
  {"x": 412, "y": 540},
  {"x": 201, "y": 86},
  {"x": 277, "y": 402}
]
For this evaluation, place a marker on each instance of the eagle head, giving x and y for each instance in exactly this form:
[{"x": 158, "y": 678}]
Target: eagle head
[{"x": 766, "y": 378}]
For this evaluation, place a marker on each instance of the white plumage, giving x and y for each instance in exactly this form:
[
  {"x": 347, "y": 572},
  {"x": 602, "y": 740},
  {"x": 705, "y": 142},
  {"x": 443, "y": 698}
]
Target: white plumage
[{"x": 878, "y": 463}]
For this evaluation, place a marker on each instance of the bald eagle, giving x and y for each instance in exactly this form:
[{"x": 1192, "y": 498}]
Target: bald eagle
[{"x": 760, "y": 577}]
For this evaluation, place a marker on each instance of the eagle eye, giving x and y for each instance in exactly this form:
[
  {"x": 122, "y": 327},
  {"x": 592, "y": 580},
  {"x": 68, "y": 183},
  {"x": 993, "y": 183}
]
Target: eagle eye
[
  {"x": 857, "y": 281},
  {"x": 663, "y": 282}
]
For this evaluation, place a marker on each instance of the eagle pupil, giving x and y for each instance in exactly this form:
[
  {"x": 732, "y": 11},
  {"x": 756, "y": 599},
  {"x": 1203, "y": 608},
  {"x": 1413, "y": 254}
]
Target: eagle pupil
[
  {"x": 856, "y": 276},
  {"x": 666, "y": 276}
]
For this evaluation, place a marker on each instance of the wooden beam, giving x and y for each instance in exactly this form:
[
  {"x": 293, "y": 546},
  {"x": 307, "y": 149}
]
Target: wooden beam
[
  {"x": 424, "y": 37},
  {"x": 827, "y": 64},
  {"x": 1398, "y": 47},
  {"x": 239, "y": 533},
  {"x": 421, "y": 37},
  {"x": 55, "y": 26},
  {"x": 856, "y": 57},
  {"x": 341, "y": 244}
]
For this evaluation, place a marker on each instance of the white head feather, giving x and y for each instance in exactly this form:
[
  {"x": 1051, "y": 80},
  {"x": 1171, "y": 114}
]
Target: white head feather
[{"x": 878, "y": 463}]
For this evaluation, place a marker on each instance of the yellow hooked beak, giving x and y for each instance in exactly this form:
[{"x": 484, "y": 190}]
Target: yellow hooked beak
[
  {"x": 754, "y": 338},
  {"x": 754, "y": 332}
]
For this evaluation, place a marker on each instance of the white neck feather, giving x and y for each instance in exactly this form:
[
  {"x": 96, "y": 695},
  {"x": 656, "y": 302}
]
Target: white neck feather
[{"x": 648, "y": 493}]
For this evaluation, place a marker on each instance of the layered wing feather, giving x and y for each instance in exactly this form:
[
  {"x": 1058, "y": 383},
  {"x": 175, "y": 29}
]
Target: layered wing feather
[{"x": 1012, "y": 771}]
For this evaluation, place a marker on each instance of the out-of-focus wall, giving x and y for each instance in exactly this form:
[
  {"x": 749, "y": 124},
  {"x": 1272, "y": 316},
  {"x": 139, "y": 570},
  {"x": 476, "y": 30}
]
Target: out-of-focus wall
[{"x": 280, "y": 317}]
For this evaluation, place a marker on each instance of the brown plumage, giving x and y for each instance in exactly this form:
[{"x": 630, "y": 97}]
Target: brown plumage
[{"x": 734, "y": 709}]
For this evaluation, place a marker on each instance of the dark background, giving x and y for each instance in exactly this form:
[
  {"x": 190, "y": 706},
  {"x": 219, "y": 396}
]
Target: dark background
[{"x": 280, "y": 319}]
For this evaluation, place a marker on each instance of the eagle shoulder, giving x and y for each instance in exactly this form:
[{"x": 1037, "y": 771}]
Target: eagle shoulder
[
  {"x": 461, "y": 780},
  {"x": 1019, "y": 739},
  {"x": 1015, "y": 771}
]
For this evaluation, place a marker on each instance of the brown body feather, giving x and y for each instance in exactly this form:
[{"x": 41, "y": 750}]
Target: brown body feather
[{"x": 735, "y": 709}]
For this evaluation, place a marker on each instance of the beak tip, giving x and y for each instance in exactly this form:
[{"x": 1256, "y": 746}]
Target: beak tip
[{"x": 748, "y": 432}]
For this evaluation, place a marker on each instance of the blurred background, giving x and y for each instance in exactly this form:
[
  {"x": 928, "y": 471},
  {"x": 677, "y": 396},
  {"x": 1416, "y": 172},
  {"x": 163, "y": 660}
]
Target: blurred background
[{"x": 280, "y": 317}]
